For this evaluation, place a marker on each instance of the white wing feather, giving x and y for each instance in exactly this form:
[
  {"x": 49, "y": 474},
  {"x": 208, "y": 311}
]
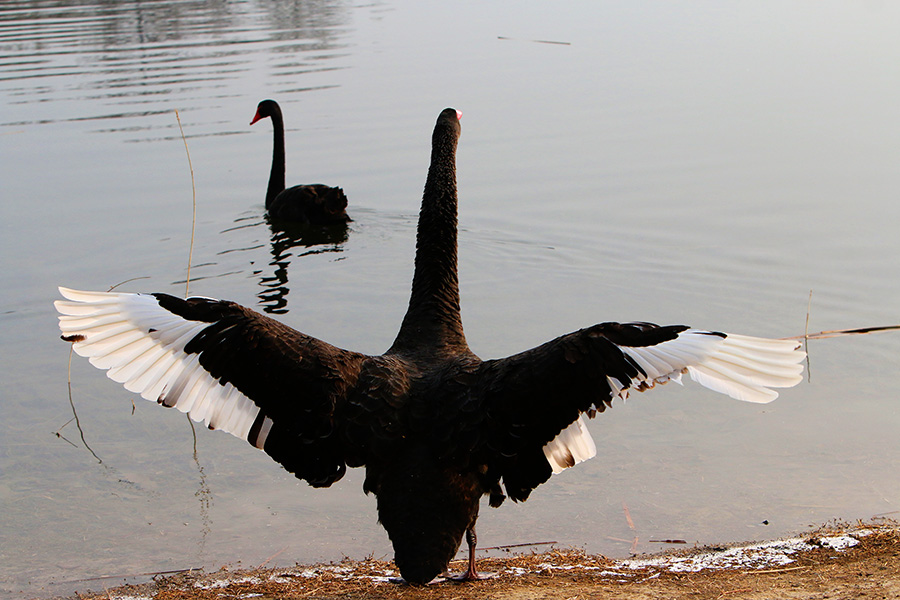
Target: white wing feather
[
  {"x": 573, "y": 445},
  {"x": 141, "y": 345},
  {"x": 739, "y": 366}
]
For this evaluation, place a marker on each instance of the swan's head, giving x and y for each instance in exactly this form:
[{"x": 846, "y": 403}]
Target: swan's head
[
  {"x": 449, "y": 119},
  {"x": 450, "y": 114},
  {"x": 266, "y": 108}
]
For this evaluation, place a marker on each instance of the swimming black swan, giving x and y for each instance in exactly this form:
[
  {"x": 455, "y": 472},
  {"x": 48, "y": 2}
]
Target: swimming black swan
[
  {"x": 436, "y": 427},
  {"x": 315, "y": 204}
]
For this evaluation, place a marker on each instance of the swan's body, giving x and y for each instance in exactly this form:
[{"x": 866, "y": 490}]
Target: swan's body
[
  {"x": 435, "y": 427},
  {"x": 316, "y": 203}
]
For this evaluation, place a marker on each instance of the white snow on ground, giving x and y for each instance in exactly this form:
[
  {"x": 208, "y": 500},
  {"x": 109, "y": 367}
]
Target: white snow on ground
[
  {"x": 754, "y": 556},
  {"x": 750, "y": 556}
]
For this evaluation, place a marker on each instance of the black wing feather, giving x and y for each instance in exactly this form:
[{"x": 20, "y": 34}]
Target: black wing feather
[
  {"x": 532, "y": 396},
  {"x": 298, "y": 381}
]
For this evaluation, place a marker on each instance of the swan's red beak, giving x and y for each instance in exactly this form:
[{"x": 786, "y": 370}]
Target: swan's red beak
[
  {"x": 258, "y": 116},
  {"x": 458, "y": 115}
]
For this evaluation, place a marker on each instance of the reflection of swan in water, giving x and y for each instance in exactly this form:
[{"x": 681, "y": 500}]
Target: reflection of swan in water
[{"x": 314, "y": 239}]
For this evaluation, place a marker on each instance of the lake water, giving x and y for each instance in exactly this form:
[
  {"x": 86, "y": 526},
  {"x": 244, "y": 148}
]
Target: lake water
[{"x": 696, "y": 162}]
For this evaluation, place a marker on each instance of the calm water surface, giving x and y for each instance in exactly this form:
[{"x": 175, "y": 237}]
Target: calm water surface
[{"x": 691, "y": 163}]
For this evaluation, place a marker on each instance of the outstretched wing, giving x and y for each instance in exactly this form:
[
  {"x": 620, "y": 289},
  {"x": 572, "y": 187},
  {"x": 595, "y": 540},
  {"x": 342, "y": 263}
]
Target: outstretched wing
[
  {"x": 536, "y": 399},
  {"x": 225, "y": 365}
]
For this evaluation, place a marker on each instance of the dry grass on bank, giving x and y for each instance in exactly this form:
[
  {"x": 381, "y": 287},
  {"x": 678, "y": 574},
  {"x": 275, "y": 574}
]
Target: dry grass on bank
[{"x": 859, "y": 562}]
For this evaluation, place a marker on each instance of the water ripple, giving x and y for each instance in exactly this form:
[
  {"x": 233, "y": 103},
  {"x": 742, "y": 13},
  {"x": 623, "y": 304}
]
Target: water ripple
[{"x": 160, "y": 52}]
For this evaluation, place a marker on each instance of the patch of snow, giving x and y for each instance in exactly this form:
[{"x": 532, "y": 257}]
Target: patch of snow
[
  {"x": 221, "y": 583},
  {"x": 839, "y": 542},
  {"x": 308, "y": 573},
  {"x": 377, "y": 578},
  {"x": 342, "y": 572},
  {"x": 753, "y": 556},
  {"x": 337, "y": 569},
  {"x": 550, "y": 567},
  {"x": 545, "y": 566}
]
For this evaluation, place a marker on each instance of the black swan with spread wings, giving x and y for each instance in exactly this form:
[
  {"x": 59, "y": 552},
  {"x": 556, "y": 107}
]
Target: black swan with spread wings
[{"x": 435, "y": 427}]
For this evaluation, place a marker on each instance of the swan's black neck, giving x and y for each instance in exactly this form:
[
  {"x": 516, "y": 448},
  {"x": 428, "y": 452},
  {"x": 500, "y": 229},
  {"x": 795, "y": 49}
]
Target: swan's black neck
[
  {"x": 432, "y": 326},
  {"x": 276, "y": 176}
]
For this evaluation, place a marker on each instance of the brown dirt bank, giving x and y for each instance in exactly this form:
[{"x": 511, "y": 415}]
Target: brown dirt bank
[{"x": 860, "y": 562}]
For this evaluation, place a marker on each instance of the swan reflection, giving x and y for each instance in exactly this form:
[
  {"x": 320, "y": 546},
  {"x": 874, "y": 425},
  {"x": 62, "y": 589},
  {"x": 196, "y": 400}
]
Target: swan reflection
[{"x": 310, "y": 240}]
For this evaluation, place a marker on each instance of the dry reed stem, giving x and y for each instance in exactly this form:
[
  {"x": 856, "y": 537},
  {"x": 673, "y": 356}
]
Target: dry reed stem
[
  {"x": 768, "y": 571},
  {"x": 187, "y": 279},
  {"x": 806, "y": 338},
  {"x": 75, "y": 414},
  {"x": 737, "y": 591},
  {"x": 830, "y": 333},
  {"x": 187, "y": 282}
]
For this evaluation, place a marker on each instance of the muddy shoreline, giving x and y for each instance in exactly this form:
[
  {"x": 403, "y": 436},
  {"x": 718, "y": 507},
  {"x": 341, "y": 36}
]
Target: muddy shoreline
[{"x": 832, "y": 562}]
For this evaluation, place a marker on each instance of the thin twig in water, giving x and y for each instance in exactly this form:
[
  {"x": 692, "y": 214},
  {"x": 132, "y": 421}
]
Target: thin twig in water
[
  {"x": 74, "y": 413},
  {"x": 507, "y": 546},
  {"x": 806, "y": 338},
  {"x": 64, "y": 438},
  {"x": 128, "y": 281},
  {"x": 628, "y": 517},
  {"x": 193, "y": 433},
  {"x": 131, "y": 575},
  {"x": 558, "y": 43},
  {"x": 830, "y": 333},
  {"x": 203, "y": 493},
  {"x": 187, "y": 282},
  {"x": 265, "y": 562},
  {"x": 635, "y": 541},
  {"x": 63, "y": 426}
]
